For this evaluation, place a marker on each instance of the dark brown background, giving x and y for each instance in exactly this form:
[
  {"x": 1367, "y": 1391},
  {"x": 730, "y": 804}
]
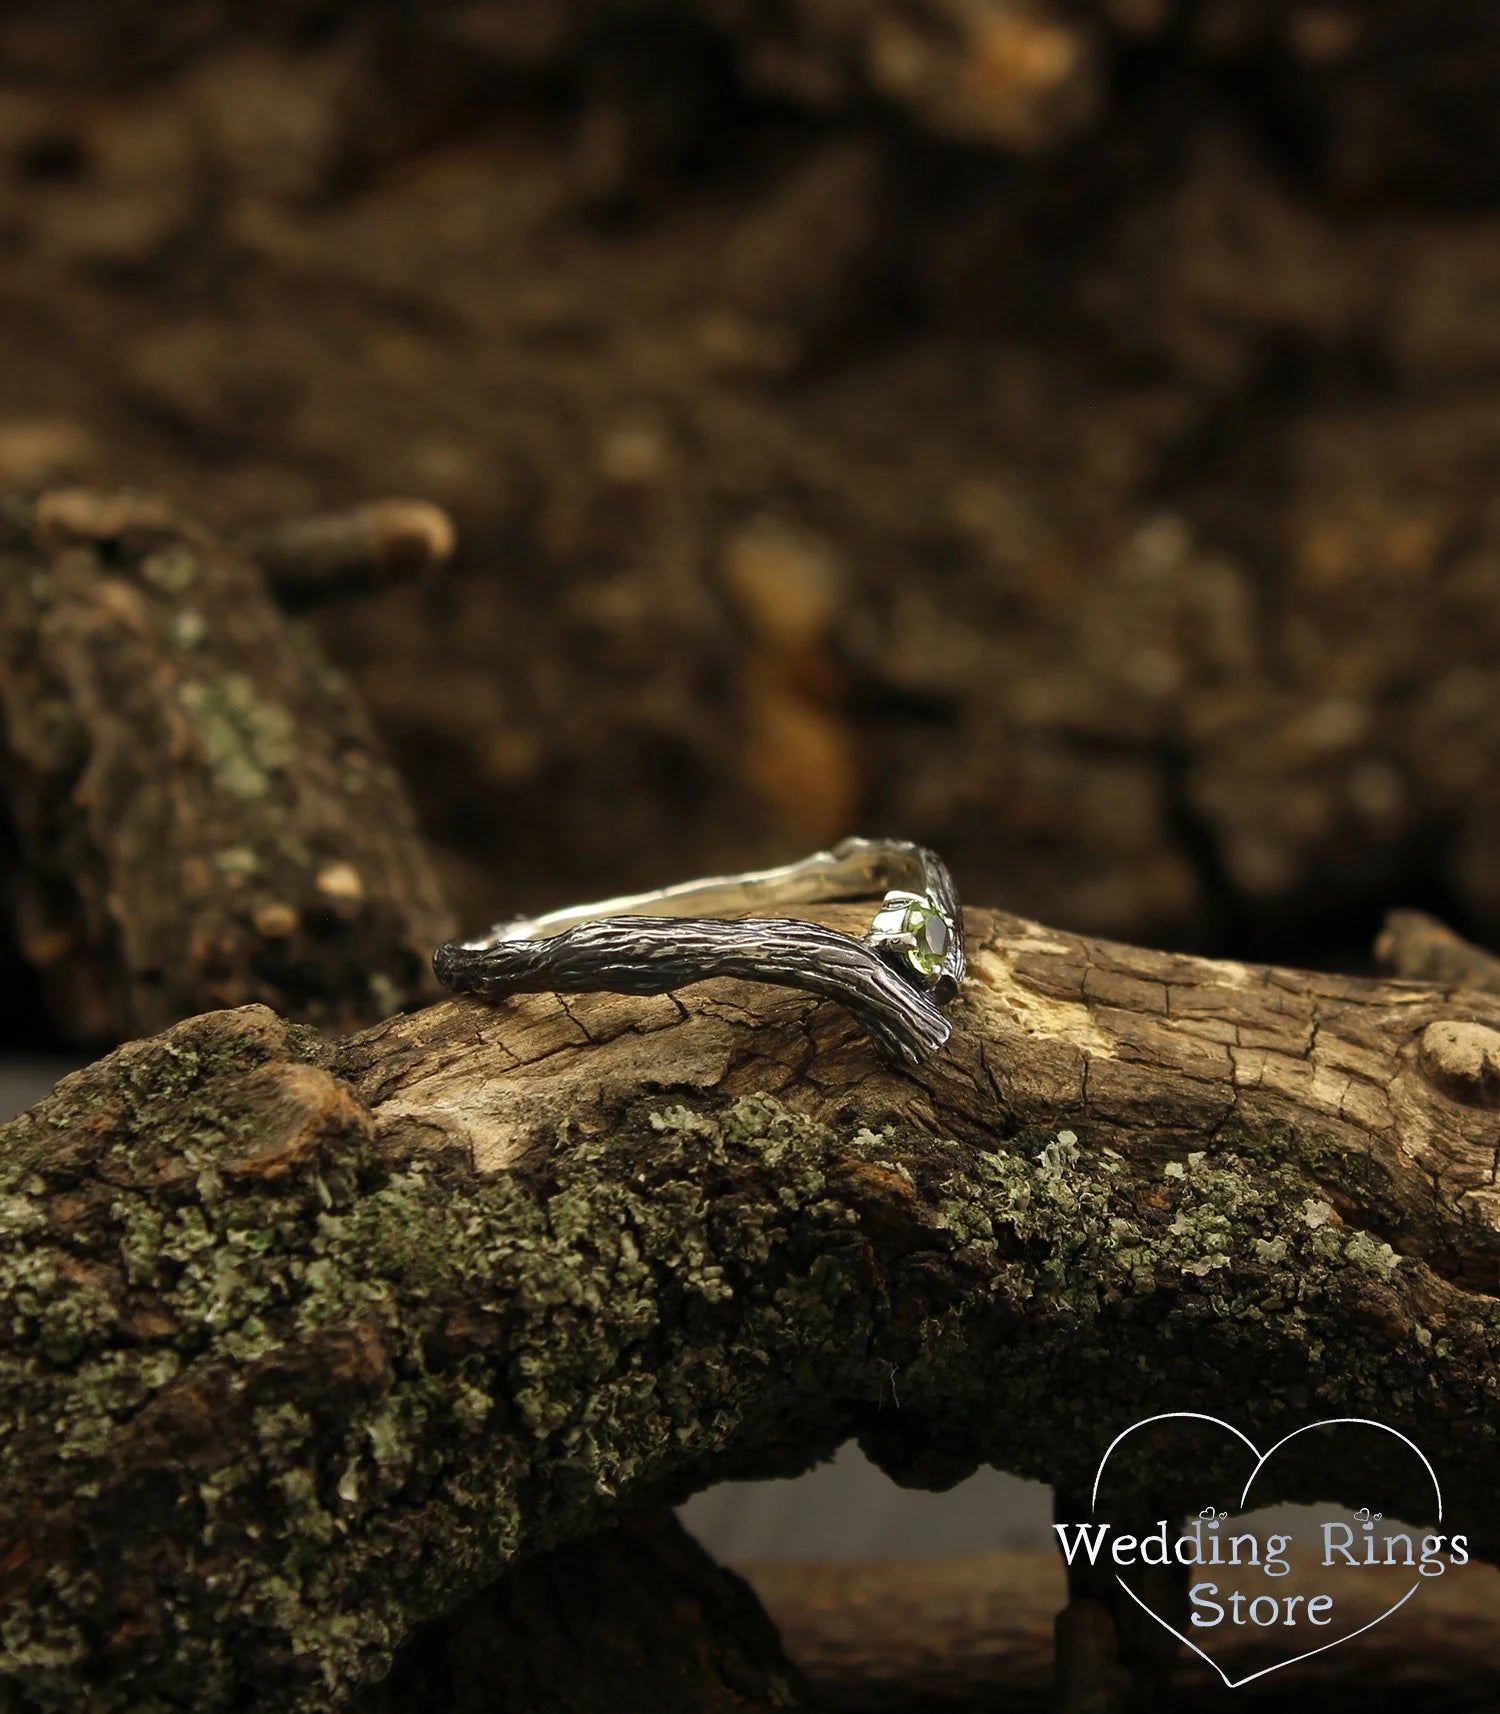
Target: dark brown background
[{"x": 1064, "y": 434}]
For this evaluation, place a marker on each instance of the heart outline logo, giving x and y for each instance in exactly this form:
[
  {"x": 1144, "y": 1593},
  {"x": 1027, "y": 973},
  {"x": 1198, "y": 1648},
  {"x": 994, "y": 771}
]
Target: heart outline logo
[{"x": 1261, "y": 1459}]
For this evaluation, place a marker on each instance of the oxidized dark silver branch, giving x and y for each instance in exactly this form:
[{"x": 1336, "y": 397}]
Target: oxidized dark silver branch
[{"x": 895, "y": 979}]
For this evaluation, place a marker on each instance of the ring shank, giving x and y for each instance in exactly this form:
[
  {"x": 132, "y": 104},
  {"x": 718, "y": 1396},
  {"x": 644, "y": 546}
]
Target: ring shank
[
  {"x": 852, "y": 869},
  {"x": 652, "y": 943},
  {"x": 655, "y": 955}
]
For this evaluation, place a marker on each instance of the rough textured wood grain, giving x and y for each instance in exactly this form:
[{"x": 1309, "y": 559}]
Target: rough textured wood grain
[
  {"x": 337, "y": 1334},
  {"x": 203, "y": 814}
]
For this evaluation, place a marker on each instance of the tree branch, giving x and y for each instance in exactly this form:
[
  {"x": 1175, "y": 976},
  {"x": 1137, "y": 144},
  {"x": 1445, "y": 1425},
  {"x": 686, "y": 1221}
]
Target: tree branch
[
  {"x": 204, "y": 813},
  {"x": 1419, "y": 947},
  {"x": 305, "y": 1344}
]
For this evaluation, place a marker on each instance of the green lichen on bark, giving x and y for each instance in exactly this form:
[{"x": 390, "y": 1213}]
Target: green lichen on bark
[
  {"x": 343, "y": 1378},
  {"x": 200, "y": 805},
  {"x": 574, "y": 1344},
  {"x": 245, "y": 740},
  {"x": 1273, "y": 1305}
]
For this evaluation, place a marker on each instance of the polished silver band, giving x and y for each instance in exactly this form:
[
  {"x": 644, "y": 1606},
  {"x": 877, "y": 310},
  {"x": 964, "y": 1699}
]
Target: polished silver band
[{"x": 895, "y": 979}]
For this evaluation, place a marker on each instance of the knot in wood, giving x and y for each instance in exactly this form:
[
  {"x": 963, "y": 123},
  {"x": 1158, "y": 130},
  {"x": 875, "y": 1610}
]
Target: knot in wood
[{"x": 1463, "y": 1060}]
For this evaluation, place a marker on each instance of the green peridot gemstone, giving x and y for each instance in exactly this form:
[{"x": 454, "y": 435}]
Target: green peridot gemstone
[{"x": 932, "y": 936}]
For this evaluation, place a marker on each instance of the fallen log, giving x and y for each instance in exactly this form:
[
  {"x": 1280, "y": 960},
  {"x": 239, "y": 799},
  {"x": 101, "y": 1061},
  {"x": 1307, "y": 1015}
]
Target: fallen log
[
  {"x": 974, "y": 1634},
  {"x": 203, "y": 813},
  {"x": 306, "y": 1343}
]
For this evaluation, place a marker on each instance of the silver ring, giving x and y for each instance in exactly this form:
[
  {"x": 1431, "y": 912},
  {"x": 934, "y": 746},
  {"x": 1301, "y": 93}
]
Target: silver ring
[{"x": 896, "y": 979}]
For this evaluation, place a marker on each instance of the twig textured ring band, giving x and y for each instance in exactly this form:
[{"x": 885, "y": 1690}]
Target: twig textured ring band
[{"x": 896, "y": 979}]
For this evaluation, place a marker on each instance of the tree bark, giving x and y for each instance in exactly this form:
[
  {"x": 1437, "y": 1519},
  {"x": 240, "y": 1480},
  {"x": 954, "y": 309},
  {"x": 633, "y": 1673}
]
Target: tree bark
[
  {"x": 204, "y": 815},
  {"x": 308, "y": 1343}
]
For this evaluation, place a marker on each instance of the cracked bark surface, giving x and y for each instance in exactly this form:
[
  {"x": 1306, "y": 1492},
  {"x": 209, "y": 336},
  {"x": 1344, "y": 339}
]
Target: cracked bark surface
[{"x": 339, "y": 1333}]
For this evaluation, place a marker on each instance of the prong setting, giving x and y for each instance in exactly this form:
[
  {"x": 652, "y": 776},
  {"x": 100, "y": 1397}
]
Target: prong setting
[{"x": 910, "y": 930}]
